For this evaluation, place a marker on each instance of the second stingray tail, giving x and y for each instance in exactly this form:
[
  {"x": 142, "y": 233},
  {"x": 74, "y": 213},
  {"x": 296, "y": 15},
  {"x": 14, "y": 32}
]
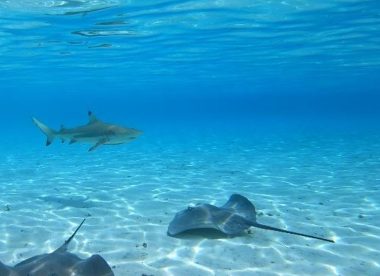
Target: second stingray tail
[
  {"x": 63, "y": 247},
  {"x": 262, "y": 226}
]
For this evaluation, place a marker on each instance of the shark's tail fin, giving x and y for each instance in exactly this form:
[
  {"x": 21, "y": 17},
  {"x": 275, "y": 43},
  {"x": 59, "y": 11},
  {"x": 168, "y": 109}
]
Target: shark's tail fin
[{"x": 50, "y": 134}]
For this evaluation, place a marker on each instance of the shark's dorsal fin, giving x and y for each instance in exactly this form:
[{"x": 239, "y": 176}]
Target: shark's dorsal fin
[{"x": 91, "y": 117}]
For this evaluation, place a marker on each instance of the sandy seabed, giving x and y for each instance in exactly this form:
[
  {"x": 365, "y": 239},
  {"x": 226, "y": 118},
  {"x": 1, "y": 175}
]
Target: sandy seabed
[{"x": 320, "y": 185}]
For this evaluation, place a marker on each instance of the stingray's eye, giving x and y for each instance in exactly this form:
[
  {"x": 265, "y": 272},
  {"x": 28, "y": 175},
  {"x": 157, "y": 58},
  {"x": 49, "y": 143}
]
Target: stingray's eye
[{"x": 190, "y": 208}]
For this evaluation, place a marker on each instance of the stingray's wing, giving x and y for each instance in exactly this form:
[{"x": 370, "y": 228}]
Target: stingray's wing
[
  {"x": 30, "y": 261},
  {"x": 93, "y": 266},
  {"x": 233, "y": 218},
  {"x": 232, "y": 224},
  {"x": 208, "y": 216},
  {"x": 5, "y": 270},
  {"x": 63, "y": 264},
  {"x": 241, "y": 206},
  {"x": 199, "y": 217}
]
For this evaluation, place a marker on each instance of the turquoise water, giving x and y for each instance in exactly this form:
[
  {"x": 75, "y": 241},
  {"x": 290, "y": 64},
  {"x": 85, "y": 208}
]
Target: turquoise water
[{"x": 274, "y": 100}]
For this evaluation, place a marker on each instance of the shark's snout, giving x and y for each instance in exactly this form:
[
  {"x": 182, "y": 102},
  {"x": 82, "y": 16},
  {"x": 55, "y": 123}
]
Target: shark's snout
[{"x": 136, "y": 133}]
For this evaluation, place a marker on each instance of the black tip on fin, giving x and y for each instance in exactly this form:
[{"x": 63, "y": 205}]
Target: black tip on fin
[
  {"x": 48, "y": 143},
  {"x": 89, "y": 113}
]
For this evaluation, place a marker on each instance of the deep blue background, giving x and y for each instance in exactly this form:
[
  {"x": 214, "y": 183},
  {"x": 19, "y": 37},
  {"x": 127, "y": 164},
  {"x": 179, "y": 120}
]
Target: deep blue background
[{"x": 191, "y": 65}]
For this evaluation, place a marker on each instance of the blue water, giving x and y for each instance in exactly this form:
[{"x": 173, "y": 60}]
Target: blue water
[
  {"x": 186, "y": 57},
  {"x": 276, "y": 100}
]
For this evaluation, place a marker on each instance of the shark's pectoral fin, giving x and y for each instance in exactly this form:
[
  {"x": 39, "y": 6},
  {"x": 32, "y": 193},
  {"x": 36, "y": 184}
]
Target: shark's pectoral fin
[
  {"x": 99, "y": 143},
  {"x": 72, "y": 141}
]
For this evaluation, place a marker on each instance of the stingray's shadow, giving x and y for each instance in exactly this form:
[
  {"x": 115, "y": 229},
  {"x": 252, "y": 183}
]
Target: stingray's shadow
[{"x": 202, "y": 233}]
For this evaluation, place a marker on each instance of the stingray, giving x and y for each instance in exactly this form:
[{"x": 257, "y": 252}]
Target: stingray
[
  {"x": 231, "y": 219},
  {"x": 59, "y": 263}
]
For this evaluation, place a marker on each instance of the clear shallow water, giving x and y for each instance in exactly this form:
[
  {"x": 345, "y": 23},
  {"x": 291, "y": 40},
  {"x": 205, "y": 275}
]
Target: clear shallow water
[
  {"x": 275, "y": 101},
  {"x": 323, "y": 186}
]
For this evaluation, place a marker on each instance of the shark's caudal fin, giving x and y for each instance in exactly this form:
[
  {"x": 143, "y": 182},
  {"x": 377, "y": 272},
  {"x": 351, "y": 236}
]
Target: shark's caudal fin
[
  {"x": 258, "y": 225},
  {"x": 50, "y": 134}
]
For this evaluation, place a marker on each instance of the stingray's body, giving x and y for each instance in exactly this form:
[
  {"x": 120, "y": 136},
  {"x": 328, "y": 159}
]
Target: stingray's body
[
  {"x": 59, "y": 263},
  {"x": 232, "y": 219}
]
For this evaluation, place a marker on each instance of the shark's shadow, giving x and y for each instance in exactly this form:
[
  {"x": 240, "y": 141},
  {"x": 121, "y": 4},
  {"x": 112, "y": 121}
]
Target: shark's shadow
[
  {"x": 69, "y": 201},
  {"x": 236, "y": 216},
  {"x": 60, "y": 262}
]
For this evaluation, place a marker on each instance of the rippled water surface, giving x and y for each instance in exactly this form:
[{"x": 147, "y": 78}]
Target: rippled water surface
[{"x": 140, "y": 41}]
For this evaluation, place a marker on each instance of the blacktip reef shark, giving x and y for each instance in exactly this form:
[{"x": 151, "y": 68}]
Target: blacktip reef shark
[
  {"x": 95, "y": 132},
  {"x": 60, "y": 262},
  {"x": 236, "y": 216}
]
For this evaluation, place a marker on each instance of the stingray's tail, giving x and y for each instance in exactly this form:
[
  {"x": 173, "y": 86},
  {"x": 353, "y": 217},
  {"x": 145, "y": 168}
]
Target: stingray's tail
[
  {"x": 76, "y": 230},
  {"x": 63, "y": 247},
  {"x": 258, "y": 225},
  {"x": 50, "y": 134}
]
